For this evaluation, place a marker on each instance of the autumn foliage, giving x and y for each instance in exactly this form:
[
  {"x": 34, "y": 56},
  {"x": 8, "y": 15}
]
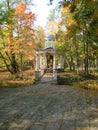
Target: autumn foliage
[
  {"x": 17, "y": 37},
  {"x": 78, "y": 34}
]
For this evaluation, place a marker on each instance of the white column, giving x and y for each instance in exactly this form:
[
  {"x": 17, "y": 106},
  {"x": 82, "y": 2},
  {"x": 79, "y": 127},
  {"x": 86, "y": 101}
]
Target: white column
[
  {"x": 37, "y": 61},
  {"x": 54, "y": 68},
  {"x": 54, "y": 61},
  {"x": 37, "y": 71},
  {"x": 53, "y": 43},
  {"x": 45, "y": 60},
  {"x": 60, "y": 61},
  {"x": 40, "y": 61}
]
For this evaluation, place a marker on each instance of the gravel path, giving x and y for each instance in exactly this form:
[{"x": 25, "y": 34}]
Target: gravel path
[{"x": 48, "y": 106}]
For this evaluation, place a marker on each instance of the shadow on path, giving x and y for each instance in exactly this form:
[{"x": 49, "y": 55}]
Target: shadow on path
[{"x": 46, "y": 106}]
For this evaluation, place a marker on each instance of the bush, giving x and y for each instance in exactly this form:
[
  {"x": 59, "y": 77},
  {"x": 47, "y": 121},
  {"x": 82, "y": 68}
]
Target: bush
[
  {"x": 89, "y": 76},
  {"x": 89, "y": 82},
  {"x": 64, "y": 80},
  {"x": 68, "y": 79}
]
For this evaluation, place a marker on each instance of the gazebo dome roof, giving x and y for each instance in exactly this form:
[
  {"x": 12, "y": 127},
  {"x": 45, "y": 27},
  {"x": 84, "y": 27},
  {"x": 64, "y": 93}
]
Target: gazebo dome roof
[
  {"x": 50, "y": 37},
  {"x": 48, "y": 48}
]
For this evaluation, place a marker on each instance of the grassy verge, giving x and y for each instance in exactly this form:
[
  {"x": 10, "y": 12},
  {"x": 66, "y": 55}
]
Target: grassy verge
[
  {"x": 71, "y": 78},
  {"x": 8, "y": 80}
]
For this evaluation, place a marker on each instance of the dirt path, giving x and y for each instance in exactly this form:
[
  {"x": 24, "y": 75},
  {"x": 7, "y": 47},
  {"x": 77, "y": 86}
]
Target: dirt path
[{"x": 48, "y": 106}]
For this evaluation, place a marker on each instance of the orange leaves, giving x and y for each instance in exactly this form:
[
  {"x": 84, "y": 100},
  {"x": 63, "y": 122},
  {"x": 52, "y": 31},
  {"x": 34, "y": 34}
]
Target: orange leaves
[
  {"x": 29, "y": 43},
  {"x": 29, "y": 18},
  {"x": 30, "y": 56},
  {"x": 23, "y": 16},
  {"x": 20, "y": 40},
  {"x": 30, "y": 15},
  {"x": 20, "y": 8},
  {"x": 23, "y": 42}
]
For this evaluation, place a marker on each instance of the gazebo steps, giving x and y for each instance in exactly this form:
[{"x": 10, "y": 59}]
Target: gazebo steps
[{"x": 48, "y": 70}]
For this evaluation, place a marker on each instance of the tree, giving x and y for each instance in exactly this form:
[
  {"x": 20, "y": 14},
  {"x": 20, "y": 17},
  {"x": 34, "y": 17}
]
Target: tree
[
  {"x": 79, "y": 17},
  {"x": 40, "y": 37},
  {"x": 85, "y": 15},
  {"x": 17, "y": 36}
]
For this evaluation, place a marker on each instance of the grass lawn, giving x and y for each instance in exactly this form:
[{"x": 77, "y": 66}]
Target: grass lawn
[
  {"x": 8, "y": 80},
  {"x": 71, "y": 78}
]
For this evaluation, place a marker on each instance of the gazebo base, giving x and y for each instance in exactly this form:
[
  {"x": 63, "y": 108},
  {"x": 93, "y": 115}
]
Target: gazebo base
[{"x": 48, "y": 70}]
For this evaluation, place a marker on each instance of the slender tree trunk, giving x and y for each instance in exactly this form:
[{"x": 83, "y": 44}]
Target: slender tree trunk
[
  {"x": 7, "y": 66},
  {"x": 21, "y": 64},
  {"x": 67, "y": 61},
  {"x": 8, "y": 4},
  {"x": 72, "y": 65},
  {"x": 82, "y": 64},
  {"x": 86, "y": 59},
  {"x": 77, "y": 59},
  {"x": 97, "y": 62},
  {"x": 86, "y": 72}
]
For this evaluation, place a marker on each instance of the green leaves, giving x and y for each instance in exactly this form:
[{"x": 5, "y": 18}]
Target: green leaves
[{"x": 7, "y": 16}]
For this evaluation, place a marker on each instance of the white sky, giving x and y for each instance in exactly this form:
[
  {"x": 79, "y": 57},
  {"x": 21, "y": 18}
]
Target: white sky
[{"x": 42, "y": 11}]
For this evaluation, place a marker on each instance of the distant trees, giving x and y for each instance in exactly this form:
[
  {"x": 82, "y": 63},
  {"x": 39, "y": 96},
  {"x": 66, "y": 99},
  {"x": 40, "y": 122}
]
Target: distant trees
[{"x": 40, "y": 37}]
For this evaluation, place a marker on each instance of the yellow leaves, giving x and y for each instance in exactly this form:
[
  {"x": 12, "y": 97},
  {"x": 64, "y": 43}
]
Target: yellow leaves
[
  {"x": 30, "y": 56},
  {"x": 70, "y": 21},
  {"x": 67, "y": 16},
  {"x": 65, "y": 11},
  {"x": 10, "y": 18},
  {"x": 6, "y": 49},
  {"x": 52, "y": 27},
  {"x": 5, "y": 32},
  {"x": 8, "y": 40},
  {"x": 82, "y": 56}
]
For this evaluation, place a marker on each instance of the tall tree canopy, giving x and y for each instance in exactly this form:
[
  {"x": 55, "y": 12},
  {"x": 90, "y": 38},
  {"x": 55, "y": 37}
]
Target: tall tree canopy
[
  {"x": 16, "y": 35},
  {"x": 79, "y": 20}
]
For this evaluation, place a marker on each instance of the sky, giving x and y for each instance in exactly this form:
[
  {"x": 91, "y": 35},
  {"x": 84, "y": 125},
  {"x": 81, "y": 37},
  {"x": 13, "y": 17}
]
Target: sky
[{"x": 41, "y": 9}]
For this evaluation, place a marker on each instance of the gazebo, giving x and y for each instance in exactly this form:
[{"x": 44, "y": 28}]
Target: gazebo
[{"x": 48, "y": 59}]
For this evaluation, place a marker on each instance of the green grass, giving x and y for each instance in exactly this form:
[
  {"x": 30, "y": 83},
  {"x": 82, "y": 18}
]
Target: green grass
[
  {"x": 8, "y": 80},
  {"x": 89, "y": 82}
]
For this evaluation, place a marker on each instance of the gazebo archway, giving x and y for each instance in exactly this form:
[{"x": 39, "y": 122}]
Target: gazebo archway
[
  {"x": 49, "y": 60},
  {"x": 46, "y": 59}
]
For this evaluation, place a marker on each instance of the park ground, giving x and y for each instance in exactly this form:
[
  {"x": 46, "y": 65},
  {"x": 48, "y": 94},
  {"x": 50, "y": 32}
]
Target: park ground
[
  {"x": 9, "y": 80},
  {"x": 48, "y": 106}
]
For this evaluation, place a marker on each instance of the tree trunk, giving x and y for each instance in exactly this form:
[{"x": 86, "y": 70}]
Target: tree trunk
[
  {"x": 77, "y": 58},
  {"x": 72, "y": 65},
  {"x": 14, "y": 65},
  {"x": 97, "y": 62},
  {"x": 7, "y": 66},
  {"x": 67, "y": 62},
  {"x": 86, "y": 58}
]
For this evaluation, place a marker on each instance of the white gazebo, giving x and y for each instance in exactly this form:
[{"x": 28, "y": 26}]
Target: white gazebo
[{"x": 48, "y": 59}]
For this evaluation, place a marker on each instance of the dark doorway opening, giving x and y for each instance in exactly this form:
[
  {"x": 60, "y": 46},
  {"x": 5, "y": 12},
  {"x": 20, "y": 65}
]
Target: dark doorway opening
[{"x": 49, "y": 61}]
